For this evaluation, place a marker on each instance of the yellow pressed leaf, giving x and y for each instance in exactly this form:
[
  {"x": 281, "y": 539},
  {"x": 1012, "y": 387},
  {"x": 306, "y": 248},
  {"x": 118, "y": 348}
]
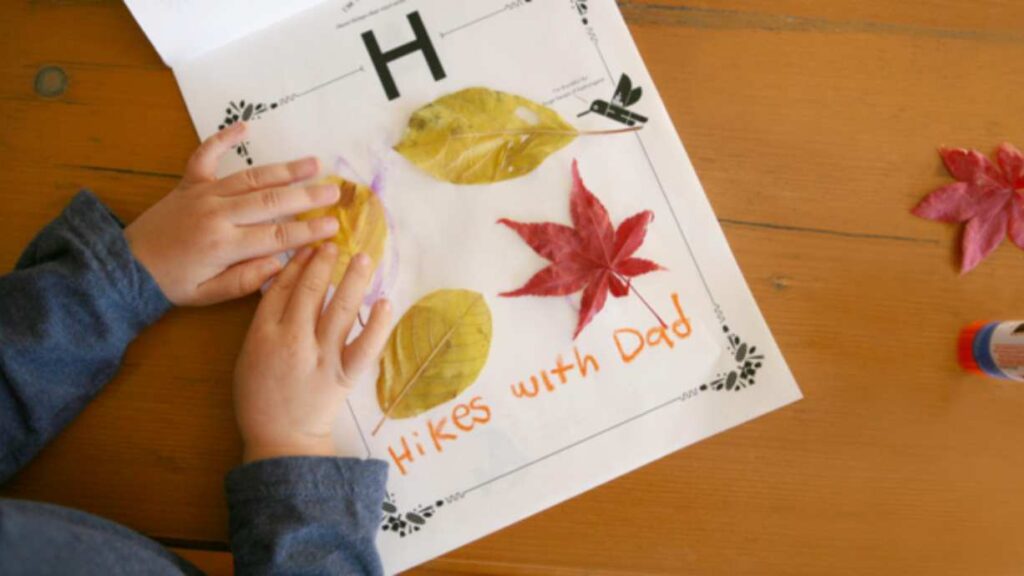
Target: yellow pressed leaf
[
  {"x": 435, "y": 352},
  {"x": 478, "y": 136},
  {"x": 362, "y": 225}
]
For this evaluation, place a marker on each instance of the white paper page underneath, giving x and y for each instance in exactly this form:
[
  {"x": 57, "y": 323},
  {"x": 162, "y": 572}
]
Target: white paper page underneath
[
  {"x": 309, "y": 86},
  {"x": 184, "y": 29}
]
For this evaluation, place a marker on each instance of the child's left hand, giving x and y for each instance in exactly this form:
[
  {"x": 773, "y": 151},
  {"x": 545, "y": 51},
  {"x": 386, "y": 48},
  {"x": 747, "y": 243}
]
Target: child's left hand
[
  {"x": 297, "y": 365},
  {"x": 211, "y": 240}
]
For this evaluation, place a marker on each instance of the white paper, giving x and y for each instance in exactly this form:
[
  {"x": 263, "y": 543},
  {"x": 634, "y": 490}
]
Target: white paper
[
  {"x": 184, "y": 29},
  {"x": 307, "y": 86}
]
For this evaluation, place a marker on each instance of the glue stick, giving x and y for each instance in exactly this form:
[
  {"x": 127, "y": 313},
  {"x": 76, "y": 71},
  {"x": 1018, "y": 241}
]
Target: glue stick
[{"x": 993, "y": 348}]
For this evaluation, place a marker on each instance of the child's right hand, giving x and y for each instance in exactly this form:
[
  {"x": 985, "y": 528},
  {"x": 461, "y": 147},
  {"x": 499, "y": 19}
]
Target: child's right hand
[{"x": 210, "y": 240}]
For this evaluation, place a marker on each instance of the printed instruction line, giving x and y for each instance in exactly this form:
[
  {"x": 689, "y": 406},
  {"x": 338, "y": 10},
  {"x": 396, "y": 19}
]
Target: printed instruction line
[
  {"x": 686, "y": 395},
  {"x": 473, "y": 22},
  {"x": 362, "y": 436},
  {"x": 329, "y": 82},
  {"x": 661, "y": 187}
]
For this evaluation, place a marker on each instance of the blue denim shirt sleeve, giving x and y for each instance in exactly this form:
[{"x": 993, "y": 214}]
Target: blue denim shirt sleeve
[
  {"x": 306, "y": 515},
  {"x": 40, "y": 538},
  {"x": 74, "y": 302}
]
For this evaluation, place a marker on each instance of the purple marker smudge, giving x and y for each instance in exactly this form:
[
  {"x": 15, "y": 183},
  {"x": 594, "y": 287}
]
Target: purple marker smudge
[{"x": 386, "y": 276}]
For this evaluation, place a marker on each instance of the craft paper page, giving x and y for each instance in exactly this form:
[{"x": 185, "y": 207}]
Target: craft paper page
[
  {"x": 548, "y": 417},
  {"x": 183, "y": 29}
]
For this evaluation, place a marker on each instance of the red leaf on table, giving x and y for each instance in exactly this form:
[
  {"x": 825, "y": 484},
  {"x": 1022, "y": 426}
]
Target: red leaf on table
[
  {"x": 1016, "y": 228},
  {"x": 950, "y": 203},
  {"x": 1012, "y": 163},
  {"x": 968, "y": 165},
  {"x": 981, "y": 237},
  {"x": 591, "y": 256},
  {"x": 985, "y": 196}
]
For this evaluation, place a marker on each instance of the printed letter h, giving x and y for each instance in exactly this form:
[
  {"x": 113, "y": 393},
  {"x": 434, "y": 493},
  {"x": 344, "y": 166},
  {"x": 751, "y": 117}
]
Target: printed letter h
[{"x": 382, "y": 60}]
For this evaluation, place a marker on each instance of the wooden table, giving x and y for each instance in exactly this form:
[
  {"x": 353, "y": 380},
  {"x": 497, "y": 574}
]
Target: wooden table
[{"x": 813, "y": 126}]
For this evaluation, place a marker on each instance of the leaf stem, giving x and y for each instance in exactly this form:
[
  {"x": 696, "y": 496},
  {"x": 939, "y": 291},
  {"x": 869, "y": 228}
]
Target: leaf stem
[
  {"x": 526, "y": 131},
  {"x": 644, "y": 300},
  {"x": 615, "y": 131},
  {"x": 419, "y": 372}
]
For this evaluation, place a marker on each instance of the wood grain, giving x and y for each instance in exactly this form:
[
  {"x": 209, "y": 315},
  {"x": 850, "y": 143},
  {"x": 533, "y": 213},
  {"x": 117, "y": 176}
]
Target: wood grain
[{"x": 813, "y": 126}]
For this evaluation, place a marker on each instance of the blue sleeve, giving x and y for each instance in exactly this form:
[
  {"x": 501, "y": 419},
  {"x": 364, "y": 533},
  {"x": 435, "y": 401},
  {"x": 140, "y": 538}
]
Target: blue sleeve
[
  {"x": 75, "y": 301},
  {"x": 306, "y": 515}
]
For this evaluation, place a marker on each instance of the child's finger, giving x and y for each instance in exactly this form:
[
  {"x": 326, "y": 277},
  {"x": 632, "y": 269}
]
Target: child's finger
[
  {"x": 341, "y": 312},
  {"x": 239, "y": 280},
  {"x": 202, "y": 166},
  {"x": 269, "y": 176},
  {"x": 266, "y": 239},
  {"x": 363, "y": 352},
  {"x": 307, "y": 299},
  {"x": 275, "y": 301},
  {"x": 271, "y": 203}
]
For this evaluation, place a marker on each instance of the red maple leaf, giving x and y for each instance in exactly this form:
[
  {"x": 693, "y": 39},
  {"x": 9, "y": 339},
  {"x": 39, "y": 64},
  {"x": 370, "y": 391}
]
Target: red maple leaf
[
  {"x": 591, "y": 256},
  {"x": 987, "y": 197}
]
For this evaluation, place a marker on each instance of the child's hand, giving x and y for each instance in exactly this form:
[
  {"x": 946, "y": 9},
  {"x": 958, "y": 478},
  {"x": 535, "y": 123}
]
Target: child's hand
[
  {"x": 295, "y": 369},
  {"x": 208, "y": 240}
]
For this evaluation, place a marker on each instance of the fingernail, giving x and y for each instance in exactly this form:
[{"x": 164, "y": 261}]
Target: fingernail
[
  {"x": 306, "y": 167},
  {"x": 385, "y": 305},
  {"x": 236, "y": 127},
  {"x": 329, "y": 248},
  {"x": 326, "y": 193},
  {"x": 361, "y": 260},
  {"x": 327, "y": 225}
]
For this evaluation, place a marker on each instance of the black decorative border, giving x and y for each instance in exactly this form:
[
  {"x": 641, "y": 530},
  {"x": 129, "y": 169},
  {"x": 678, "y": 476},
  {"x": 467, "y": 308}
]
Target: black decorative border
[
  {"x": 748, "y": 363},
  {"x": 741, "y": 376},
  {"x": 746, "y": 358},
  {"x": 583, "y": 9},
  {"x": 243, "y": 111},
  {"x": 247, "y": 110},
  {"x": 408, "y": 522}
]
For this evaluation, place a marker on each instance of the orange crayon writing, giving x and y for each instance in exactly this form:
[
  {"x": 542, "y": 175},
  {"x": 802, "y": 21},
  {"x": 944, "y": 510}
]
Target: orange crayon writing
[
  {"x": 443, "y": 431},
  {"x": 562, "y": 373},
  {"x": 585, "y": 363},
  {"x": 524, "y": 390},
  {"x": 403, "y": 455},
  {"x": 561, "y": 369},
  {"x": 437, "y": 433},
  {"x": 631, "y": 342},
  {"x": 467, "y": 416},
  {"x": 459, "y": 414}
]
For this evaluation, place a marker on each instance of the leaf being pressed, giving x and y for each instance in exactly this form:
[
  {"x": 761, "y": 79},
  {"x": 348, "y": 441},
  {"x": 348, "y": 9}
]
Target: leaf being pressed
[
  {"x": 436, "y": 351},
  {"x": 591, "y": 256},
  {"x": 362, "y": 224},
  {"x": 479, "y": 136}
]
